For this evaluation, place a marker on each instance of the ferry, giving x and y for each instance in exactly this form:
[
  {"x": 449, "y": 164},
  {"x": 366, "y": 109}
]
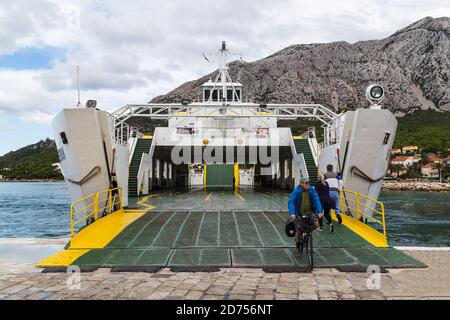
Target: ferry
[{"x": 210, "y": 190}]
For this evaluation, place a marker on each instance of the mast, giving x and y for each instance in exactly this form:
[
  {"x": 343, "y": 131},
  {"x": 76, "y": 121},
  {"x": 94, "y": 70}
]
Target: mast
[{"x": 223, "y": 67}]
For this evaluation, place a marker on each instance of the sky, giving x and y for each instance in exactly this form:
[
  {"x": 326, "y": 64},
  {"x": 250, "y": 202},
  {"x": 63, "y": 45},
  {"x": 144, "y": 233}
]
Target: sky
[{"x": 132, "y": 51}]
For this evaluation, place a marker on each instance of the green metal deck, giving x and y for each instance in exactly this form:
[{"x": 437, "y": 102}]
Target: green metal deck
[{"x": 221, "y": 228}]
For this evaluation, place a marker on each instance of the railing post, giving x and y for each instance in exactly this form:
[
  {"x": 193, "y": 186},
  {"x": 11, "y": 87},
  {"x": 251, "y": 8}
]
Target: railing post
[
  {"x": 120, "y": 197},
  {"x": 96, "y": 206},
  {"x": 384, "y": 221},
  {"x": 110, "y": 201},
  {"x": 357, "y": 205},
  {"x": 71, "y": 221}
]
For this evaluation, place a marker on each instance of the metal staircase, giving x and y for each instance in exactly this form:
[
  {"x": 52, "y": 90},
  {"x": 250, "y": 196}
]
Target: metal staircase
[
  {"x": 142, "y": 146},
  {"x": 302, "y": 146}
]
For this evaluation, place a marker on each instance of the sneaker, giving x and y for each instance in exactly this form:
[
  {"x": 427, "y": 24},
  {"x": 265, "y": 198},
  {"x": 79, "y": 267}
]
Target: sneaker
[
  {"x": 331, "y": 228},
  {"x": 339, "y": 219},
  {"x": 320, "y": 229}
]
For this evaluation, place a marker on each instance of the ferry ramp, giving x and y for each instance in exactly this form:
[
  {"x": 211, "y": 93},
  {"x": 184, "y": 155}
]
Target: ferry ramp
[{"x": 219, "y": 228}]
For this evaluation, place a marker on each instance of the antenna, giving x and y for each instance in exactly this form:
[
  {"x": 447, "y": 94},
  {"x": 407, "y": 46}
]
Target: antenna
[{"x": 78, "y": 83}]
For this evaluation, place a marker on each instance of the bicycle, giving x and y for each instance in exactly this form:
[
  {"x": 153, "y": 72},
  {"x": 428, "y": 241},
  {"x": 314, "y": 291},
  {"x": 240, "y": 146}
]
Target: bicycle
[{"x": 307, "y": 240}]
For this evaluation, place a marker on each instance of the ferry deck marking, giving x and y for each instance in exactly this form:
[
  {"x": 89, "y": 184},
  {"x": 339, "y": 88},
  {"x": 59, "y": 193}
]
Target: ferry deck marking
[
  {"x": 209, "y": 196},
  {"x": 239, "y": 196}
]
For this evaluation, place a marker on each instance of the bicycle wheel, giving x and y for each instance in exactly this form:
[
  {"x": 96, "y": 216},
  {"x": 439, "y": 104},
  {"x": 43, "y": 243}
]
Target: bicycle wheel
[{"x": 309, "y": 251}]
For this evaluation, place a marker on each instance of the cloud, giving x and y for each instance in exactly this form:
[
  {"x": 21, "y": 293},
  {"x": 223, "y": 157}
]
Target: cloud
[{"x": 129, "y": 52}]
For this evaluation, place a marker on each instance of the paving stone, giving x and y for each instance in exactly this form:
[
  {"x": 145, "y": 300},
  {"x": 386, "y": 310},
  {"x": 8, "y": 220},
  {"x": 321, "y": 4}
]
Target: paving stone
[
  {"x": 194, "y": 295},
  {"x": 213, "y": 297},
  {"x": 282, "y": 296},
  {"x": 287, "y": 290},
  {"x": 217, "y": 290},
  {"x": 308, "y": 297},
  {"x": 241, "y": 297},
  {"x": 264, "y": 297}
]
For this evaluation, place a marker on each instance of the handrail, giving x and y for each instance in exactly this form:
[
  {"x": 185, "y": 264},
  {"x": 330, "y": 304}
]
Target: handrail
[
  {"x": 104, "y": 202},
  {"x": 367, "y": 208}
]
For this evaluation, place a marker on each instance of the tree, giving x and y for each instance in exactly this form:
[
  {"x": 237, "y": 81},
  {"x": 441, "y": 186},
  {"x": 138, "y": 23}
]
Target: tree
[{"x": 439, "y": 166}]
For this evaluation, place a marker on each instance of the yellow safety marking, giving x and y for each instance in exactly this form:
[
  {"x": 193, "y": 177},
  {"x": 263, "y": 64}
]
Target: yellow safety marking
[
  {"x": 204, "y": 175},
  {"x": 147, "y": 137},
  {"x": 98, "y": 234},
  {"x": 297, "y": 137},
  {"x": 62, "y": 258},
  {"x": 236, "y": 176},
  {"x": 144, "y": 199},
  {"x": 239, "y": 196},
  {"x": 209, "y": 196},
  {"x": 363, "y": 230}
]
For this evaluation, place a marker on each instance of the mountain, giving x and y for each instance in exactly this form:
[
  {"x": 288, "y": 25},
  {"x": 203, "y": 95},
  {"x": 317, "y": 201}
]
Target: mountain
[
  {"x": 413, "y": 65},
  {"x": 34, "y": 161}
]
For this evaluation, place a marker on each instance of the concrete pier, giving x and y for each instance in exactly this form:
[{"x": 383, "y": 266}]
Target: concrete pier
[{"x": 20, "y": 279}]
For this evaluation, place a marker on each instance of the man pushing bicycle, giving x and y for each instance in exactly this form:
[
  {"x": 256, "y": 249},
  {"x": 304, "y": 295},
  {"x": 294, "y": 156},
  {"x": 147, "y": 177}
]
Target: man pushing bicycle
[{"x": 304, "y": 207}]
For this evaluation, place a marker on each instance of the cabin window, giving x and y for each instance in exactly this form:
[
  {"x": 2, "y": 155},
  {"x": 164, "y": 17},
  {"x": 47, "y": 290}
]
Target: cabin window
[
  {"x": 230, "y": 95},
  {"x": 238, "y": 95},
  {"x": 214, "y": 95},
  {"x": 207, "y": 94}
]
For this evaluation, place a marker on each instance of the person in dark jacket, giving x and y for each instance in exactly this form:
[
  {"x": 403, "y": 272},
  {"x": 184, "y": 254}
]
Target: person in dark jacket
[
  {"x": 323, "y": 190},
  {"x": 304, "y": 201}
]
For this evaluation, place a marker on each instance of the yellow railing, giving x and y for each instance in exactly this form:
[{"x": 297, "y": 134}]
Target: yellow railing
[
  {"x": 89, "y": 208},
  {"x": 363, "y": 206}
]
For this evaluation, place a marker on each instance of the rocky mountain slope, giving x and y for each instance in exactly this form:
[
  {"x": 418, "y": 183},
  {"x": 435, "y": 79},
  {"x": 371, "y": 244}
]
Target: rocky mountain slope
[{"x": 413, "y": 65}]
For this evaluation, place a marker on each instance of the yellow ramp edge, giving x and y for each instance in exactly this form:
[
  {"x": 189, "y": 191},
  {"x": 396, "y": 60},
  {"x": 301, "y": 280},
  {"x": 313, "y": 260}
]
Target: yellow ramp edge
[
  {"x": 62, "y": 258},
  {"x": 98, "y": 234},
  {"x": 95, "y": 236},
  {"x": 369, "y": 234}
]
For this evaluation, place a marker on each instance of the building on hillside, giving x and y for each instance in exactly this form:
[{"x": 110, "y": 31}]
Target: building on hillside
[
  {"x": 447, "y": 161},
  {"x": 435, "y": 159},
  {"x": 1, "y": 177},
  {"x": 404, "y": 162},
  {"x": 429, "y": 171},
  {"x": 396, "y": 151},
  {"x": 410, "y": 149}
]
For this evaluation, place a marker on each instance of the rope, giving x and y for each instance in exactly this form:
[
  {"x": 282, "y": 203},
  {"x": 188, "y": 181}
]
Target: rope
[
  {"x": 89, "y": 176},
  {"x": 355, "y": 170}
]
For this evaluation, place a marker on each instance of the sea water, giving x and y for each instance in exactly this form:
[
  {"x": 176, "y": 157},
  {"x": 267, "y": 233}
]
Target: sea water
[{"x": 41, "y": 210}]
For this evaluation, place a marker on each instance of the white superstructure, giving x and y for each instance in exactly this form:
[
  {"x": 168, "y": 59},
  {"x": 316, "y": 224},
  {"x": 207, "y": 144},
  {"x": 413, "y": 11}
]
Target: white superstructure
[{"x": 224, "y": 128}]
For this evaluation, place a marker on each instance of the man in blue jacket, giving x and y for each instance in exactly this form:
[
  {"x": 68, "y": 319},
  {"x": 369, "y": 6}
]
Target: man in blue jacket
[{"x": 304, "y": 201}]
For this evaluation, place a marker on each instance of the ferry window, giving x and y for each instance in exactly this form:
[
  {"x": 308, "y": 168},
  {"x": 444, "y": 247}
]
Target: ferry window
[
  {"x": 220, "y": 95},
  {"x": 386, "y": 137},
  {"x": 238, "y": 94},
  {"x": 64, "y": 138},
  {"x": 207, "y": 94},
  {"x": 229, "y": 95},
  {"x": 214, "y": 95}
]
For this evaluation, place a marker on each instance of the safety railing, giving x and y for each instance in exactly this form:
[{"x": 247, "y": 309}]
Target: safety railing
[
  {"x": 94, "y": 206},
  {"x": 362, "y": 207}
]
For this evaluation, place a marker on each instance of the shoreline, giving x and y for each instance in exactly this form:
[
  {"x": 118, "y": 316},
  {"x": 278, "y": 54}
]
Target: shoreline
[
  {"x": 31, "y": 180},
  {"x": 416, "y": 186},
  {"x": 388, "y": 185}
]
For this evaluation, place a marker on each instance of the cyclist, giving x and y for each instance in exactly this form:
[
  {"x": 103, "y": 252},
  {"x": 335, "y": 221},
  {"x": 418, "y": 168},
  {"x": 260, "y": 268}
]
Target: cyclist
[{"x": 304, "y": 201}]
